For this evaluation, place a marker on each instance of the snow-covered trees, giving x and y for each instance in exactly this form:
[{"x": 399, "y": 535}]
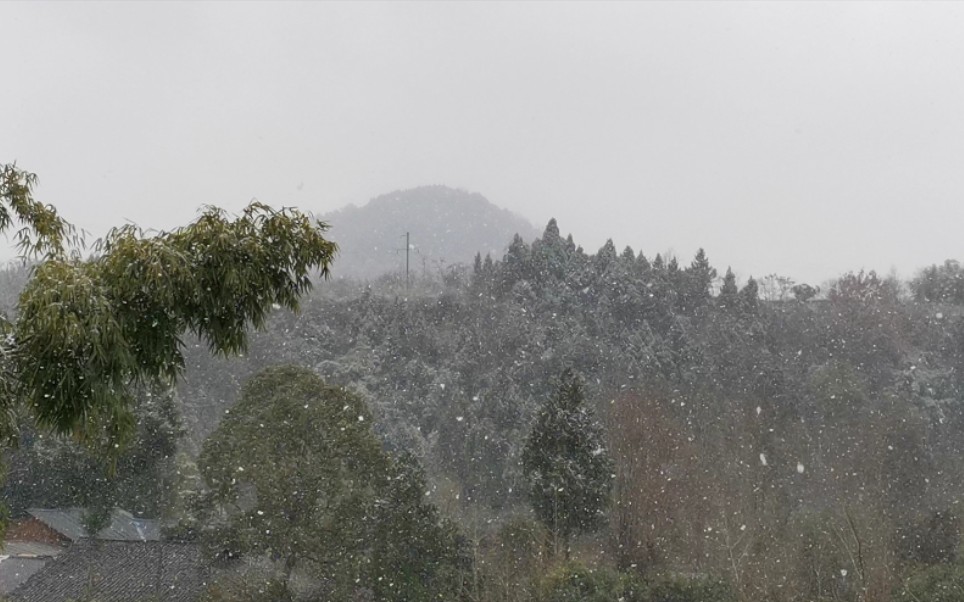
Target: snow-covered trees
[{"x": 568, "y": 469}]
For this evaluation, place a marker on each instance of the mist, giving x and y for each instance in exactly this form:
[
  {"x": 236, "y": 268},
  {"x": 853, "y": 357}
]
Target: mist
[{"x": 796, "y": 138}]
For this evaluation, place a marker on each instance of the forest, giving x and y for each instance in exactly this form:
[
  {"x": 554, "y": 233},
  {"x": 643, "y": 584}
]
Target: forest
[{"x": 555, "y": 425}]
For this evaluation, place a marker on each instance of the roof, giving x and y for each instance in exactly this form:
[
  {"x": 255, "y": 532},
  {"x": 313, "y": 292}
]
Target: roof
[
  {"x": 118, "y": 571},
  {"x": 19, "y": 560},
  {"x": 14, "y": 571},
  {"x": 123, "y": 526},
  {"x": 29, "y": 549}
]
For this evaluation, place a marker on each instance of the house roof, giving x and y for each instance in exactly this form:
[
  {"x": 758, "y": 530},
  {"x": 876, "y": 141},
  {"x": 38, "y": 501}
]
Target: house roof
[
  {"x": 21, "y": 559},
  {"x": 123, "y": 526},
  {"x": 15, "y": 570},
  {"x": 118, "y": 571},
  {"x": 29, "y": 549}
]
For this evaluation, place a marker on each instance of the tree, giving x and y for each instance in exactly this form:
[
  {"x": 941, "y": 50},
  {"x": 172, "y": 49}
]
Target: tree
[
  {"x": 293, "y": 467},
  {"x": 749, "y": 296},
  {"x": 729, "y": 294},
  {"x": 51, "y": 471},
  {"x": 297, "y": 475},
  {"x": 88, "y": 330},
  {"x": 944, "y": 283},
  {"x": 804, "y": 292},
  {"x": 569, "y": 470},
  {"x": 415, "y": 554},
  {"x": 697, "y": 281}
]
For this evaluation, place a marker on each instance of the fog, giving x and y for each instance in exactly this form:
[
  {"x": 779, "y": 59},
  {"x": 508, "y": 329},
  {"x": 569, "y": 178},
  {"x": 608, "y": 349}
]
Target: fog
[{"x": 803, "y": 139}]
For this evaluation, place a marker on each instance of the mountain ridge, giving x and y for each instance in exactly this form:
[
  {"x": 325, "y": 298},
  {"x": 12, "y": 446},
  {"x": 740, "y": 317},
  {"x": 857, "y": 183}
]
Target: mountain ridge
[{"x": 446, "y": 226}]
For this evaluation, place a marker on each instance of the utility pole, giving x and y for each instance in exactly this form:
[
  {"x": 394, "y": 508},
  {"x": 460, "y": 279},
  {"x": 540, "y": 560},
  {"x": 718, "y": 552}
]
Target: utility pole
[{"x": 408, "y": 248}]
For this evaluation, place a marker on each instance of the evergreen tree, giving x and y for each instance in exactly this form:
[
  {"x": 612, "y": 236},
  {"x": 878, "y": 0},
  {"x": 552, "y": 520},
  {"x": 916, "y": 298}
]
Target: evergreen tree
[
  {"x": 516, "y": 264},
  {"x": 605, "y": 257},
  {"x": 750, "y": 296},
  {"x": 643, "y": 262},
  {"x": 729, "y": 293},
  {"x": 697, "y": 282},
  {"x": 568, "y": 469}
]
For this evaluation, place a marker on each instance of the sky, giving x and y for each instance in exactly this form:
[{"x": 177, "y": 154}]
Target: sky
[{"x": 802, "y": 139}]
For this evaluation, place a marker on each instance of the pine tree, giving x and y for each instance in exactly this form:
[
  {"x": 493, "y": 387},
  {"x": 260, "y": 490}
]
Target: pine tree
[
  {"x": 698, "y": 281},
  {"x": 749, "y": 296},
  {"x": 568, "y": 469},
  {"x": 729, "y": 293},
  {"x": 643, "y": 262}
]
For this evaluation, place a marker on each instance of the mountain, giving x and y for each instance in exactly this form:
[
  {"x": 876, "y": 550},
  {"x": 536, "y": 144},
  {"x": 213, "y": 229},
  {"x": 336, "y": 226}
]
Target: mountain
[{"x": 446, "y": 226}]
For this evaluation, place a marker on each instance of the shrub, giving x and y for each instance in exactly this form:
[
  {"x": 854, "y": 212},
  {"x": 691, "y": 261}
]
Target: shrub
[
  {"x": 938, "y": 583},
  {"x": 246, "y": 588},
  {"x": 932, "y": 539},
  {"x": 688, "y": 589},
  {"x": 577, "y": 583}
]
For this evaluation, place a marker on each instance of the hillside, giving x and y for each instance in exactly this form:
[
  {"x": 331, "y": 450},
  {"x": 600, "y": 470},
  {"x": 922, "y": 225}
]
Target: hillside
[{"x": 446, "y": 226}]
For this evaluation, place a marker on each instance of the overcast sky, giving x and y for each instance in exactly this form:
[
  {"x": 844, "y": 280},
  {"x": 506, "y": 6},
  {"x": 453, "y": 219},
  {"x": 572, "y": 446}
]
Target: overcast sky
[{"x": 802, "y": 139}]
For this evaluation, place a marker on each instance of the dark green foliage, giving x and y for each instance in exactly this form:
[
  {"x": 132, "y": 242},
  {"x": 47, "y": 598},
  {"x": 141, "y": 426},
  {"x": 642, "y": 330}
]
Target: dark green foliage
[
  {"x": 295, "y": 469},
  {"x": 932, "y": 539},
  {"x": 118, "y": 319},
  {"x": 415, "y": 555},
  {"x": 688, "y": 589},
  {"x": 87, "y": 330},
  {"x": 50, "y": 471},
  {"x": 938, "y": 583},
  {"x": 566, "y": 464},
  {"x": 514, "y": 560},
  {"x": 576, "y": 583},
  {"x": 298, "y": 476},
  {"x": 250, "y": 588},
  {"x": 42, "y": 231}
]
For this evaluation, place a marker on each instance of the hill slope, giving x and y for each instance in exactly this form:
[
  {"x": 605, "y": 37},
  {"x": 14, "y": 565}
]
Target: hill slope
[{"x": 446, "y": 227}]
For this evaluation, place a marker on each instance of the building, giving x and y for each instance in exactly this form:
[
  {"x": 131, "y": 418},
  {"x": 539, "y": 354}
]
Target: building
[
  {"x": 118, "y": 571},
  {"x": 66, "y": 525}
]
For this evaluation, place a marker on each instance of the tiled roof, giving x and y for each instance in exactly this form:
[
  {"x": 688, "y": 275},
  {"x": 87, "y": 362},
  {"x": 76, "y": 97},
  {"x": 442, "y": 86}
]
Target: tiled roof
[
  {"x": 29, "y": 549},
  {"x": 123, "y": 526},
  {"x": 118, "y": 571},
  {"x": 15, "y": 570},
  {"x": 19, "y": 560}
]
